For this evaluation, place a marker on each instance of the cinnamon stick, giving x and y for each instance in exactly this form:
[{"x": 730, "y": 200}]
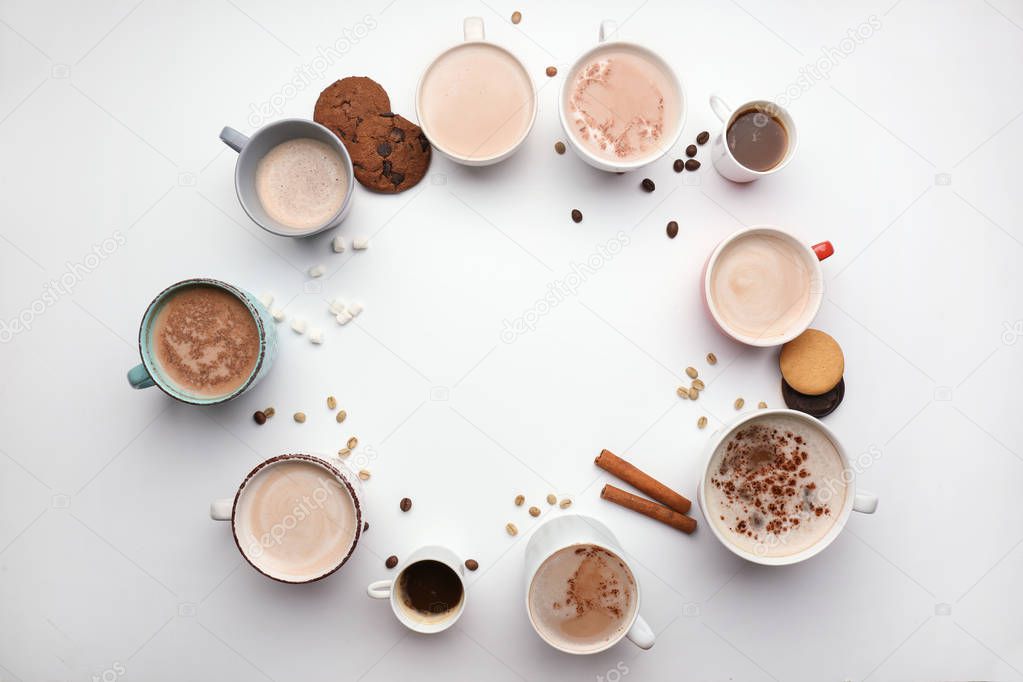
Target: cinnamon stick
[
  {"x": 619, "y": 468},
  {"x": 658, "y": 512}
]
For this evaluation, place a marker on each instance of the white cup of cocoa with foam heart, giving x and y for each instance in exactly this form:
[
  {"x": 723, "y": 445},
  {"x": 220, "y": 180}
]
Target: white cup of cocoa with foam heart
[
  {"x": 296, "y": 518},
  {"x": 762, "y": 286}
]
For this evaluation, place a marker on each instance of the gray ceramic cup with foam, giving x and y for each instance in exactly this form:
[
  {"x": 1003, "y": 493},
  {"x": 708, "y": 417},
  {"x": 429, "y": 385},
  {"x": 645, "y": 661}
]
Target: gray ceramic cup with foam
[{"x": 251, "y": 149}]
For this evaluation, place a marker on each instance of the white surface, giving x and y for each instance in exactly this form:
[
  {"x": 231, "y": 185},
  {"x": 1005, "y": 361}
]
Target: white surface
[{"x": 109, "y": 564}]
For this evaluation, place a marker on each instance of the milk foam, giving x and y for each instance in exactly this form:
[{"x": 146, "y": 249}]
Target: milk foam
[
  {"x": 760, "y": 285},
  {"x": 301, "y": 183},
  {"x": 782, "y": 461},
  {"x": 295, "y": 520}
]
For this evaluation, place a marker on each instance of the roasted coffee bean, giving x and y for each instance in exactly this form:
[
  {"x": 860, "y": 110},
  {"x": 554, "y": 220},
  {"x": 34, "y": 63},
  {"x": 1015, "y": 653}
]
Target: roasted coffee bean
[
  {"x": 365, "y": 526},
  {"x": 648, "y": 185},
  {"x": 472, "y": 564},
  {"x": 552, "y": 71},
  {"x": 391, "y": 562},
  {"x": 559, "y": 147},
  {"x": 692, "y": 164},
  {"x": 679, "y": 165},
  {"x": 577, "y": 215},
  {"x": 691, "y": 151},
  {"x": 702, "y": 138},
  {"x": 672, "y": 229},
  {"x": 260, "y": 417},
  {"x": 405, "y": 504}
]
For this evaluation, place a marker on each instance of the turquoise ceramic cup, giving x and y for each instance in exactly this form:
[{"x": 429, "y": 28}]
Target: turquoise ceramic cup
[{"x": 148, "y": 373}]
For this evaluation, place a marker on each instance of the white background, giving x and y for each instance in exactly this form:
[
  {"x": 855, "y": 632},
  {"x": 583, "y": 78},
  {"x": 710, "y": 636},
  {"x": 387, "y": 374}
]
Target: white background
[{"x": 109, "y": 564}]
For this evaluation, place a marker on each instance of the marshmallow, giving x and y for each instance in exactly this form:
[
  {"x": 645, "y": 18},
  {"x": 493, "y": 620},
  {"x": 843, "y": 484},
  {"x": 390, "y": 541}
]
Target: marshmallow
[
  {"x": 338, "y": 244},
  {"x": 337, "y": 306},
  {"x": 267, "y": 300},
  {"x": 354, "y": 309},
  {"x": 344, "y": 317},
  {"x": 298, "y": 325},
  {"x": 317, "y": 271},
  {"x": 316, "y": 335},
  {"x": 278, "y": 314},
  {"x": 360, "y": 243}
]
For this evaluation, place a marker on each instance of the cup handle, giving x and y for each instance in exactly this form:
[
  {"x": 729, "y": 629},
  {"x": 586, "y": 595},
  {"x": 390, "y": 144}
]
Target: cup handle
[
  {"x": 720, "y": 108},
  {"x": 865, "y": 503},
  {"x": 220, "y": 510},
  {"x": 823, "y": 250},
  {"x": 608, "y": 28},
  {"x": 138, "y": 377},
  {"x": 641, "y": 634},
  {"x": 381, "y": 589},
  {"x": 472, "y": 29},
  {"x": 233, "y": 139}
]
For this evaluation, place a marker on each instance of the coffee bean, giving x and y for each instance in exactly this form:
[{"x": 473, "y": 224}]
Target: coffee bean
[
  {"x": 648, "y": 185},
  {"x": 472, "y": 564},
  {"x": 692, "y": 164},
  {"x": 702, "y": 138},
  {"x": 559, "y": 147},
  {"x": 516, "y": 17},
  {"x": 691, "y": 151},
  {"x": 679, "y": 165},
  {"x": 672, "y": 229},
  {"x": 405, "y": 504},
  {"x": 260, "y": 417},
  {"x": 391, "y": 562},
  {"x": 552, "y": 71},
  {"x": 577, "y": 215},
  {"x": 365, "y": 526}
]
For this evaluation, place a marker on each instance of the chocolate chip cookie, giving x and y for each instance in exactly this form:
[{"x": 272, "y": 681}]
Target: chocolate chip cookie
[
  {"x": 390, "y": 153},
  {"x": 348, "y": 102}
]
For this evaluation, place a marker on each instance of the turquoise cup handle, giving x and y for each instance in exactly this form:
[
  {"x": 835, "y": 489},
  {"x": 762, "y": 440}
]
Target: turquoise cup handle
[{"x": 138, "y": 377}]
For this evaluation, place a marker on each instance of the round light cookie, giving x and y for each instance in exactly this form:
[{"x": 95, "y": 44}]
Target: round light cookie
[{"x": 812, "y": 363}]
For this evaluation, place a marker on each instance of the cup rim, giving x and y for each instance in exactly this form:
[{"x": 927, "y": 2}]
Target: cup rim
[
  {"x": 474, "y": 161},
  {"x": 635, "y": 584},
  {"x": 338, "y": 146},
  {"x": 608, "y": 164},
  {"x": 155, "y": 373},
  {"x": 790, "y": 129},
  {"x": 816, "y": 299},
  {"x": 330, "y": 468},
  {"x": 837, "y": 527},
  {"x": 403, "y": 618}
]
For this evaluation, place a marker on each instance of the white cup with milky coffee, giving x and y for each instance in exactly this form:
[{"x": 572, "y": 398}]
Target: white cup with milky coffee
[
  {"x": 762, "y": 286},
  {"x": 296, "y": 518},
  {"x": 476, "y": 102},
  {"x": 778, "y": 487},
  {"x": 582, "y": 596},
  {"x": 622, "y": 106}
]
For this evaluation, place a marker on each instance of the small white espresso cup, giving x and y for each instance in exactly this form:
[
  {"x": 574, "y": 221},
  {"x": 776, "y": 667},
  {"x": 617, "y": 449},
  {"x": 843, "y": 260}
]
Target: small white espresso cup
[
  {"x": 473, "y": 34},
  {"x": 812, "y": 256},
  {"x": 607, "y": 39},
  {"x": 252, "y": 149},
  {"x": 862, "y": 501},
  {"x": 569, "y": 531},
  {"x": 252, "y": 547},
  {"x": 724, "y": 162},
  {"x": 409, "y": 617}
]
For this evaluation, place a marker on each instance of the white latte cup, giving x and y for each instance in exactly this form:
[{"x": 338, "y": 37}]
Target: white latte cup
[
  {"x": 337, "y": 479},
  {"x": 569, "y": 531},
  {"x": 724, "y": 161},
  {"x": 858, "y": 501},
  {"x": 409, "y": 617}
]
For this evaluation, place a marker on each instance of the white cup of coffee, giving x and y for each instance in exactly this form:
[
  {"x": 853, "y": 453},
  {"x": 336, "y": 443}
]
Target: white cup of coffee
[
  {"x": 570, "y": 562},
  {"x": 762, "y": 286},
  {"x": 476, "y": 102},
  {"x": 758, "y": 138},
  {"x": 289, "y": 541},
  {"x": 293, "y": 177},
  {"x": 428, "y": 593},
  {"x": 621, "y": 104},
  {"x": 786, "y": 461}
]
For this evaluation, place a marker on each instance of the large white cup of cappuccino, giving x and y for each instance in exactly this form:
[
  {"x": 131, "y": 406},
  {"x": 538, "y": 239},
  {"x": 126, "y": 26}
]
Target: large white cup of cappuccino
[
  {"x": 762, "y": 286},
  {"x": 295, "y": 518},
  {"x": 582, "y": 597},
  {"x": 778, "y": 487}
]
